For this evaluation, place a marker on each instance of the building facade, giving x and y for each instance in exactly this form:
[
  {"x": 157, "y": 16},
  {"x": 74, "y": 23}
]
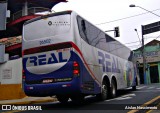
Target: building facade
[
  {"x": 11, "y": 70},
  {"x": 152, "y": 56}
]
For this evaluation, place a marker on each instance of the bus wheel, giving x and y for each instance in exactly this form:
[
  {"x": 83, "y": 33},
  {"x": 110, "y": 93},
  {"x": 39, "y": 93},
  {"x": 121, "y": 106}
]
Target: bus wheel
[
  {"x": 62, "y": 99},
  {"x": 104, "y": 94},
  {"x": 113, "y": 89}
]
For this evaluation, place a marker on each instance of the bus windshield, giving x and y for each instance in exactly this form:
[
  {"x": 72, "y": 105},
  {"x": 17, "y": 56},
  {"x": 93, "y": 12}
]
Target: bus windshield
[{"x": 47, "y": 27}]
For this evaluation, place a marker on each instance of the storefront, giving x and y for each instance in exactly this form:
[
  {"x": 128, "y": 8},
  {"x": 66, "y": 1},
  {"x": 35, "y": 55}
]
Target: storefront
[{"x": 152, "y": 55}]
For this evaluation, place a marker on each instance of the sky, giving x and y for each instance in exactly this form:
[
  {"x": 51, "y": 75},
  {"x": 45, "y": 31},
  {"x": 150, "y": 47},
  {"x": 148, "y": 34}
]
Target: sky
[{"x": 107, "y": 14}]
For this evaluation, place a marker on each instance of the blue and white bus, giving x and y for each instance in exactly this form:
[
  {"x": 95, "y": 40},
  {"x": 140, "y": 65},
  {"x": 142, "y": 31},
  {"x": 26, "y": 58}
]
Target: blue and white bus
[{"x": 67, "y": 56}]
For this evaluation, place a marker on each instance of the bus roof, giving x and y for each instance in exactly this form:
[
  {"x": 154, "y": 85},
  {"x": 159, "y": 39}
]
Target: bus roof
[{"x": 49, "y": 15}]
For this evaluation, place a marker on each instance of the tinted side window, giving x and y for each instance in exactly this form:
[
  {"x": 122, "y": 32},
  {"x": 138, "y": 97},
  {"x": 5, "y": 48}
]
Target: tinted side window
[
  {"x": 111, "y": 43},
  {"x": 95, "y": 37},
  {"x": 82, "y": 28},
  {"x": 90, "y": 33}
]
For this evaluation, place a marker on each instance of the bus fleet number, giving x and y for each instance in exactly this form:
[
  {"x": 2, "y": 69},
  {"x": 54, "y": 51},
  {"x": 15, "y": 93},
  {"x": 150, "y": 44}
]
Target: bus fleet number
[{"x": 47, "y": 41}]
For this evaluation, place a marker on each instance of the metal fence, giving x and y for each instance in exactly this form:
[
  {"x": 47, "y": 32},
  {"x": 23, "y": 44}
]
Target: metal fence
[{"x": 31, "y": 11}]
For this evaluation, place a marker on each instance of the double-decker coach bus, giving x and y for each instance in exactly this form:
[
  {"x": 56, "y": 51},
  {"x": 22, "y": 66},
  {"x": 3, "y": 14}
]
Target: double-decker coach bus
[{"x": 67, "y": 56}]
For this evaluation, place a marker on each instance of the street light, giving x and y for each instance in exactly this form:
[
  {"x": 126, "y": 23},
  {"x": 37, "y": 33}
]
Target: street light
[
  {"x": 138, "y": 37},
  {"x": 132, "y": 5}
]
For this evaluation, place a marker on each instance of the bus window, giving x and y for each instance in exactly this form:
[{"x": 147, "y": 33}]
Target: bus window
[{"x": 50, "y": 27}]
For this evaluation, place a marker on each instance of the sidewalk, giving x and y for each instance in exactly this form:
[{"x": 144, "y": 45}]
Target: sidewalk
[{"x": 28, "y": 100}]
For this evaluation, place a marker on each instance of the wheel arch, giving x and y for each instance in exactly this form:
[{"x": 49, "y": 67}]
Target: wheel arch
[
  {"x": 106, "y": 79},
  {"x": 115, "y": 80}
]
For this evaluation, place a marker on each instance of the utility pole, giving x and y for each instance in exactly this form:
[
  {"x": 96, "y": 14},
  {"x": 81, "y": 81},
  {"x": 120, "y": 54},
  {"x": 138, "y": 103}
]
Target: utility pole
[{"x": 144, "y": 58}]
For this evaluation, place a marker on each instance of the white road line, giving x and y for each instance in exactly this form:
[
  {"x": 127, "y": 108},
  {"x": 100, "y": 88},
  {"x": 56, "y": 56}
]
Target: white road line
[
  {"x": 157, "y": 88},
  {"x": 149, "y": 91},
  {"x": 141, "y": 87},
  {"x": 128, "y": 95},
  {"x": 150, "y": 87},
  {"x": 129, "y": 88},
  {"x": 123, "y": 97}
]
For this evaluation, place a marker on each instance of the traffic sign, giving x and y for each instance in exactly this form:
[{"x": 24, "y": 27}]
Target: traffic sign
[{"x": 150, "y": 28}]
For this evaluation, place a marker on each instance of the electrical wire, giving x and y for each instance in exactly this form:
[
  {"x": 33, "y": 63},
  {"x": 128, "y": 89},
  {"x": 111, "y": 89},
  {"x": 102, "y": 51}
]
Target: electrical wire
[
  {"x": 157, "y": 37},
  {"x": 126, "y": 17},
  {"x": 131, "y": 42}
]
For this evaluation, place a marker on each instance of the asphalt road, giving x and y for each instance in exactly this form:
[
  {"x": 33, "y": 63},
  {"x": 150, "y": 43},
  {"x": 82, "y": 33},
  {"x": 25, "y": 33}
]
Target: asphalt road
[{"x": 126, "y": 98}]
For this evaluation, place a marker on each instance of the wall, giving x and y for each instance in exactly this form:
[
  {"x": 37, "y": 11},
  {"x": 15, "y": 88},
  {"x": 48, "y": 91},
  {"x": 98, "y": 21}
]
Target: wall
[
  {"x": 11, "y": 80},
  {"x": 152, "y": 54}
]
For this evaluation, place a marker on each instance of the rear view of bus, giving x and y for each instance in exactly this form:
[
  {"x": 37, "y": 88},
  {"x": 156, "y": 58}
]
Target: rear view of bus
[{"x": 50, "y": 66}]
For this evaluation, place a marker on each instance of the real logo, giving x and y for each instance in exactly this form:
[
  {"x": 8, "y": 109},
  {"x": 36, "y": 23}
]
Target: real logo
[
  {"x": 43, "y": 59},
  {"x": 109, "y": 64}
]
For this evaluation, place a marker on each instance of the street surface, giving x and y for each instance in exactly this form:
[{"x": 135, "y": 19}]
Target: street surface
[{"x": 126, "y": 97}]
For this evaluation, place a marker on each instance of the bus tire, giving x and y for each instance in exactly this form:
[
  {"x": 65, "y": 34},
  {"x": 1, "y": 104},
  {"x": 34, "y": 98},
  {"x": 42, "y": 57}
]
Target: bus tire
[
  {"x": 113, "y": 89},
  {"x": 104, "y": 94},
  {"x": 62, "y": 99}
]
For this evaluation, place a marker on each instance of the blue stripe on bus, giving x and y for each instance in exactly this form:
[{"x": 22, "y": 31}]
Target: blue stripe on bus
[{"x": 64, "y": 71}]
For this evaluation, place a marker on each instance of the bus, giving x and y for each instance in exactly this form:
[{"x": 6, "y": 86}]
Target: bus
[{"x": 66, "y": 56}]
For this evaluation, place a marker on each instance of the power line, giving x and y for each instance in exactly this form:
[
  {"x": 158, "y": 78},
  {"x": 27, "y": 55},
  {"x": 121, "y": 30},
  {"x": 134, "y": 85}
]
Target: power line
[
  {"x": 157, "y": 37},
  {"x": 134, "y": 45},
  {"x": 138, "y": 41},
  {"x": 152, "y": 37},
  {"x": 126, "y": 17},
  {"x": 131, "y": 42}
]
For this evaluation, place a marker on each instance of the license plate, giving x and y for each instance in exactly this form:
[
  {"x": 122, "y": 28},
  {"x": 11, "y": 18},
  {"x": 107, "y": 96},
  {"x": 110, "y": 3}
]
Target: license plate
[{"x": 47, "y": 81}]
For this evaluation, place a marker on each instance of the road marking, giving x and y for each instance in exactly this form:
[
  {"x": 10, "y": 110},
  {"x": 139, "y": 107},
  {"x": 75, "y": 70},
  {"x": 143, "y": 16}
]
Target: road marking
[
  {"x": 129, "y": 88},
  {"x": 132, "y": 94},
  {"x": 141, "y": 87},
  {"x": 123, "y": 97},
  {"x": 145, "y": 104},
  {"x": 149, "y": 91},
  {"x": 157, "y": 88},
  {"x": 150, "y": 87},
  {"x": 138, "y": 87}
]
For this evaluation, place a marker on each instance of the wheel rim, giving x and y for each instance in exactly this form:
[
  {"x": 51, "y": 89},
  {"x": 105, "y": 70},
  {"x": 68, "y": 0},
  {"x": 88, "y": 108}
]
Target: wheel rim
[
  {"x": 113, "y": 89},
  {"x": 104, "y": 91}
]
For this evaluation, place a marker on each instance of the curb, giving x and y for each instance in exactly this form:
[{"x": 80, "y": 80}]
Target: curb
[
  {"x": 34, "y": 101},
  {"x": 11, "y": 91}
]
